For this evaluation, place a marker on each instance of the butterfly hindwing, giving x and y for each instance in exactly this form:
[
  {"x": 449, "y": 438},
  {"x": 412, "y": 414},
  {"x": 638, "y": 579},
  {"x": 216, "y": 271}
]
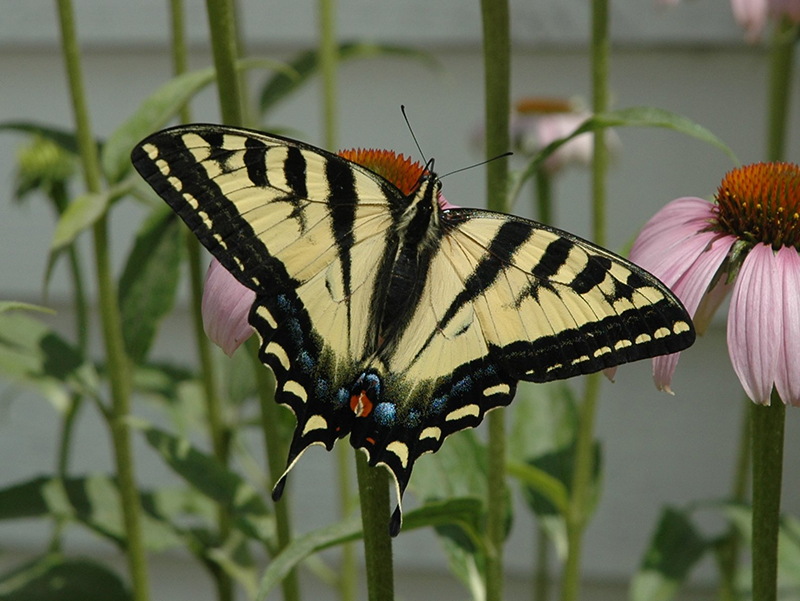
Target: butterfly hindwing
[{"x": 382, "y": 315}]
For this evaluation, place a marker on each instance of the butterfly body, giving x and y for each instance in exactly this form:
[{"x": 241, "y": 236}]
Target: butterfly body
[{"x": 385, "y": 316}]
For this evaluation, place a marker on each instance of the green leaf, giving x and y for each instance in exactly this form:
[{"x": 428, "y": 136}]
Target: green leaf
[
  {"x": 66, "y": 139},
  {"x": 538, "y": 480},
  {"x": 82, "y": 213},
  {"x": 461, "y": 512},
  {"x": 545, "y": 420},
  {"x": 20, "y": 306},
  {"x": 54, "y": 577},
  {"x": 151, "y": 115},
  {"x": 306, "y": 64},
  {"x": 93, "y": 501},
  {"x": 33, "y": 355},
  {"x": 643, "y": 116},
  {"x": 674, "y": 550},
  {"x": 149, "y": 281},
  {"x": 214, "y": 480}
]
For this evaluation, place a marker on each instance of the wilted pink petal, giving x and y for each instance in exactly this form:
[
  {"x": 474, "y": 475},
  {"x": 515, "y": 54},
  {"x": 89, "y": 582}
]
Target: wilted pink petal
[
  {"x": 787, "y": 378},
  {"x": 710, "y": 303},
  {"x": 226, "y": 306},
  {"x": 755, "y": 323},
  {"x": 691, "y": 287}
]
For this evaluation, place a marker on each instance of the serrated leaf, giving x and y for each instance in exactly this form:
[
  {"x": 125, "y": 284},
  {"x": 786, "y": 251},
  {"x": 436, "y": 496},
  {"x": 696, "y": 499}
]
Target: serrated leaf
[
  {"x": 54, "y": 577},
  {"x": 149, "y": 281},
  {"x": 462, "y": 512},
  {"x": 33, "y": 355},
  {"x": 674, "y": 550},
  {"x": 211, "y": 478},
  {"x": 643, "y": 116},
  {"x": 82, "y": 213},
  {"x": 66, "y": 139},
  {"x": 306, "y": 64}
]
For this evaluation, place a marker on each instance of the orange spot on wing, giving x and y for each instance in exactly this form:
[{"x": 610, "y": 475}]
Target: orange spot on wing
[{"x": 360, "y": 404}]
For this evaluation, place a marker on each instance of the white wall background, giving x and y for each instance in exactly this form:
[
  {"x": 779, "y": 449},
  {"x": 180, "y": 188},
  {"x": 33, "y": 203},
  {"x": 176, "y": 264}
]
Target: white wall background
[{"x": 692, "y": 60}]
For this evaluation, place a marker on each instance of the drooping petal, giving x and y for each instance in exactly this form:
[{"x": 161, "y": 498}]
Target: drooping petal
[
  {"x": 443, "y": 204},
  {"x": 226, "y": 306},
  {"x": 690, "y": 288},
  {"x": 788, "y": 8},
  {"x": 787, "y": 379},
  {"x": 669, "y": 228},
  {"x": 755, "y": 323}
]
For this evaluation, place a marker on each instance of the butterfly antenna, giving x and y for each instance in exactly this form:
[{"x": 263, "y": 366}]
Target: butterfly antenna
[
  {"x": 499, "y": 156},
  {"x": 408, "y": 124}
]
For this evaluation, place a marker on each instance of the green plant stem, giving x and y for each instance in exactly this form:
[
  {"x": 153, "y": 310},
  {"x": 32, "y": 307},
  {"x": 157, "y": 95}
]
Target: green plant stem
[
  {"x": 541, "y": 586},
  {"x": 578, "y": 512},
  {"x": 328, "y": 63},
  {"x": 496, "y": 60},
  {"x": 780, "y": 87},
  {"x": 223, "y": 44},
  {"x": 579, "y": 501},
  {"x": 180, "y": 54},
  {"x": 118, "y": 368},
  {"x": 544, "y": 197},
  {"x": 728, "y": 555},
  {"x": 373, "y": 489},
  {"x": 218, "y": 432},
  {"x": 768, "y": 426},
  {"x": 276, "y": 448}
]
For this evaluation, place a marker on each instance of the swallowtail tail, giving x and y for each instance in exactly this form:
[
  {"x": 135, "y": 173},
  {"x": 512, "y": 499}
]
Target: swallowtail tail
[{"x": 383, "y": 315}]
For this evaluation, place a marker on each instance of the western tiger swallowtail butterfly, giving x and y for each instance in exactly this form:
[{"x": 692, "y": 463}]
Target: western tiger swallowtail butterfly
[{"x": 383, "y": 315}]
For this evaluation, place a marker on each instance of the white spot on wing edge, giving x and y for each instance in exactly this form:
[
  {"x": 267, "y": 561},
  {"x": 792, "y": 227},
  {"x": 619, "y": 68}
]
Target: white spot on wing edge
[
  {"x": 296, "y": 389},
  {"x": 661, "y": 333},
  {"x": 462, "y": 412},
  {"x": 315, "y": 422},
  {"x": 264, "y": 313},
  {"x": 400, "y": 450},
  {"x": 680, "y": 327},
  {"x": 497, "y": 389},
  {"x": 642, "y": 338},
  {"x": 431, "y": 432},
  {"x": 277, "y": 351},
  {"x": 151, "y": 150}
]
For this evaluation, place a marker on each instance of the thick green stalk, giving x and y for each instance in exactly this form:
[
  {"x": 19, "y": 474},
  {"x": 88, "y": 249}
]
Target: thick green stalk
[
  {"x": 276, "y": 448},
  {"x": 373, "y": 489},
  {"x": 768, "y": 425},
  {"x": 214, "y": 412},
  {"x": 328, "y": 63},
  {"x": 577, "y": 514},
  {"x": 118, "y": 368},
  {"x": 780, "y": 88},
  {"x": 496, "y": 60},
  {"x": 223, "y": 44}
]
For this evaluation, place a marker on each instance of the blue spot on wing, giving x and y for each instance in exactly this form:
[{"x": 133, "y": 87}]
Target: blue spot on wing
[
  {"x": 385, "y": 414},
  {"x": 438, "y": 404}
]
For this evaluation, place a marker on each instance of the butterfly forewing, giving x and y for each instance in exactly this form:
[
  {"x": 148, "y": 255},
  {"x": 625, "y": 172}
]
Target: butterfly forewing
[{"x": 396, "y": 336}]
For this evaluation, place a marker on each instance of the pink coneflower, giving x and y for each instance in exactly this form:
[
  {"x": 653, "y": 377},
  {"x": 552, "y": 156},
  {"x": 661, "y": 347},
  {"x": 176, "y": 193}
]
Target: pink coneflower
[
  {"x": 226, "y": 302},
  {"x": 753, "y": 14},
  {"x": 747, "y": 240}
]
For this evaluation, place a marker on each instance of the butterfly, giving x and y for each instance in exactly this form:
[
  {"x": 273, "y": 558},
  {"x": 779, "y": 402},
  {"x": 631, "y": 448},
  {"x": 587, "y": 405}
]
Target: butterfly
[{"x": 386, "y": 317}]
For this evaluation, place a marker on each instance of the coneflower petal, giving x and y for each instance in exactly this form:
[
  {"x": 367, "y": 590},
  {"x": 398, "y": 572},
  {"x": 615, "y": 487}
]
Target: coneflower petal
[
  {"x": 755, "y": 323},
  {"x": 787, "y": 378},
  {"x": 226, "y": 307}
]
